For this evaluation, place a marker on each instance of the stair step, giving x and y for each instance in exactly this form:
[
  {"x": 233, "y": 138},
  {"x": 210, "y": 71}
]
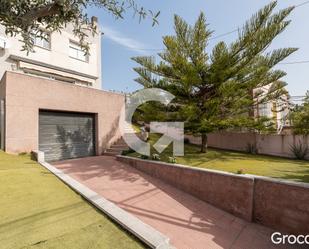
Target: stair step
[
  {"x": 111, "y": 153},
  {"x": 114, "y": 150},
  {"x": 119, "y": 141},
  {"x": 122, "y": 145},
  {"x": 119, "y": 148}
]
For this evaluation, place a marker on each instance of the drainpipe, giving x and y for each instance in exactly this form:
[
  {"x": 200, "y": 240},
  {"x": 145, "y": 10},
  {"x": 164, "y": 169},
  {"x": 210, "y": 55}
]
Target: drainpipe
[{"x": 2, "y": 125}]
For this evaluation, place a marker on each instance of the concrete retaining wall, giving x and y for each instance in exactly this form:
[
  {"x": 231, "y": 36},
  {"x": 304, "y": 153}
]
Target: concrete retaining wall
[
  {"x": 275, "y": 145},
  {"x": 229, "y": 192},
  {"x": 281, "y": 205}
]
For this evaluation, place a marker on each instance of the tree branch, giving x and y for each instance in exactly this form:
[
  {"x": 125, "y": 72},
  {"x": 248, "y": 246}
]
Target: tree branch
[{"x": 40, "y": 12}]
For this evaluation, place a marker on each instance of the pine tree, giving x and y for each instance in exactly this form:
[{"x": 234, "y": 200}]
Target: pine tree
[{"x": 219, "y": 90}]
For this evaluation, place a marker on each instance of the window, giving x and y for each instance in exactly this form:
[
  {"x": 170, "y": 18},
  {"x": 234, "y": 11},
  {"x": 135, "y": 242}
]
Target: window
[
  {"x": 76, "y": 52},
  {"x": 264, "y": 110},
  {"x": 42, "y": 42}
]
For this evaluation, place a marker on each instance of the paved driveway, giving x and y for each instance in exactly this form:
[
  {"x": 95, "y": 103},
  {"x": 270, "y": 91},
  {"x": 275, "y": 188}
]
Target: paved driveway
[{"x": 187, "y": 221}]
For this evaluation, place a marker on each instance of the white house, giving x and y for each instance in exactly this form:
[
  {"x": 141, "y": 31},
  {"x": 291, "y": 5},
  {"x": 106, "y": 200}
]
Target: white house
[
  {"x": 277, "y": 110},
  {"x": 51, "y": 100}
]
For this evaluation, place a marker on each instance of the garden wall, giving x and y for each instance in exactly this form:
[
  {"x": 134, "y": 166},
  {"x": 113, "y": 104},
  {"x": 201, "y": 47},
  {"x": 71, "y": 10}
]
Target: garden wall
[
  {"x": 281, "y": 205},
  {"x": 227, "y": 191},
  {"x": 275, "y": 145}
]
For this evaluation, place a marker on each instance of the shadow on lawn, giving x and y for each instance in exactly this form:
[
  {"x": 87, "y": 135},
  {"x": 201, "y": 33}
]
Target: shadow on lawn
[
  {"x": 68, "y": 211},
  {"x": 272, "y": 166},
  {"x": 192, "y": 153},
  {"x": 226, "y": 155},
  {"x": 299, "y": 176}
]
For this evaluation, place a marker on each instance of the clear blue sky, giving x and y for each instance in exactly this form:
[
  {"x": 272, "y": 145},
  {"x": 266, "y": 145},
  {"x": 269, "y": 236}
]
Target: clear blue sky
[{"x": 123, "y": 36}]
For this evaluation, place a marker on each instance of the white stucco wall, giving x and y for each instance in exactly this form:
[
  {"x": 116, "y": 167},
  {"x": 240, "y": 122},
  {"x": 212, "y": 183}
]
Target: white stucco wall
[
  {"x": 277, "y": 110},
  {"x": 58, "y": 55}
]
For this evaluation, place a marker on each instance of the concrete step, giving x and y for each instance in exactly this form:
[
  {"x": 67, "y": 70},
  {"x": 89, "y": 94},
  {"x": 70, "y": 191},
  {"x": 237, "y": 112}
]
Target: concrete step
[
  {"x": 119, "y": 148},
  {"x": 114, "y": 150},
  {"x": 120, "y": 142},
  {"x": 111, "y": 153},
  {"x": 120, "y": 145},
  {"x": 128, "y": 130}
]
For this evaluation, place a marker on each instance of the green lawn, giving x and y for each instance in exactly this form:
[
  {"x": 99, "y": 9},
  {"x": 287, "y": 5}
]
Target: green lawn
[
  {"x": 233, "y": 161},
  {"x": 39, "y": 211}
]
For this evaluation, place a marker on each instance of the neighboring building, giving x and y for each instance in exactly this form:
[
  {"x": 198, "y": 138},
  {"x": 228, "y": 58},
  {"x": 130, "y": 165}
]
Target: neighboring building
[
  {"x": 51, "y": 99},
  {"x": 277, "y": 110}
]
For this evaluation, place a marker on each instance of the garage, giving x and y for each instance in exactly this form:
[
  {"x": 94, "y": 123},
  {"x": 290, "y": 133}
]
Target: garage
[{"x": 66, "y": 135}]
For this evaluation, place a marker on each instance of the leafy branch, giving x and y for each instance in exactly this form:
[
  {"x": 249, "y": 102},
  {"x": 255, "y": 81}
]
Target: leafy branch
[{"x": 27, "y": 17}]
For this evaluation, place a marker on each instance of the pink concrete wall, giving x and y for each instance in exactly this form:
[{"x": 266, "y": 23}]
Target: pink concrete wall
[
  {"x": 229, "y": 192},
  {"x": 275, "y": 145},
  {"x": 278, "y": 145},
  {"x": 25, "y": 95},
  {"x": 231, "y": 141},
  {"x": 281, "y": 205}
]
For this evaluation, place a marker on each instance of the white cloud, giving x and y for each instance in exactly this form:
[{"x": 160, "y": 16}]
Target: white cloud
[{"x": 123, "y": 40}]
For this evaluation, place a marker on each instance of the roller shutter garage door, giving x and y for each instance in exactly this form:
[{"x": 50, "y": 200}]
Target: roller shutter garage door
[{"x": 64, "y": 135}]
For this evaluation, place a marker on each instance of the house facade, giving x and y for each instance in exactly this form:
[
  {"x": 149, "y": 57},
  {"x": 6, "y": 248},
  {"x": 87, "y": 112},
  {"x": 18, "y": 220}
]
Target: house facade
[
  {"x": 51, "y": 100},
  {"x": 59, "y": 57},
  {"x": 276, "y": 110}
]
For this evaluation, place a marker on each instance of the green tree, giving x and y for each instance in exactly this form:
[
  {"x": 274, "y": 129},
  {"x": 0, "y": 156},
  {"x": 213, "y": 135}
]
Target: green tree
[
  {"x": 25, "y": 17},
  {"x": 219, "y": 90},
  {"x": 300, "y": 117}
]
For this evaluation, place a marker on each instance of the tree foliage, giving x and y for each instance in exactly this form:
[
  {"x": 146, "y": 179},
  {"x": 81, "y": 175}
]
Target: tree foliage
[
  {"x": 25, "y": 17},
  {"x": 300, "y": 117},
  {"x": 216, "y": 90}
]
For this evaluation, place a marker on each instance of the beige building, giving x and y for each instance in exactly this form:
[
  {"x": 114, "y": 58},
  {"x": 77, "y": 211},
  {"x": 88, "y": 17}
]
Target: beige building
[
  {"x": 59, "y": 57},
  {"x": 51, "y": 100},
  {"x": 277, "y": 110}
]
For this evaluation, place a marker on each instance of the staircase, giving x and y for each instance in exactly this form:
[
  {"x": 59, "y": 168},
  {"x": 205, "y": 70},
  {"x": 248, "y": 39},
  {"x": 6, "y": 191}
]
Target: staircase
[
  {"x": 120, "y": 145},
  {"x": 116, "y": 149}
]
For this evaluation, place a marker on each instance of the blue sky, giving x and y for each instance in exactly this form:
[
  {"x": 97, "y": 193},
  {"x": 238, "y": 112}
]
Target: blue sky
[{"x": 122, "y": 37}]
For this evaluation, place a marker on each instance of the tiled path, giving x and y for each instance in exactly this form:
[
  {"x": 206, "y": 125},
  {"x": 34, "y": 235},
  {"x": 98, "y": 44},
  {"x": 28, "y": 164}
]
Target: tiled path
[{"x": 187, "y": 221}]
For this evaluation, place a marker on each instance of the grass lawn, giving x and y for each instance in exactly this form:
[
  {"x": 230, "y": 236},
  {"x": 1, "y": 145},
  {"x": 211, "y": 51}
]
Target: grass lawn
[
  {"x": 39, "y": 211},
  {"x": 233, "y": 161}
]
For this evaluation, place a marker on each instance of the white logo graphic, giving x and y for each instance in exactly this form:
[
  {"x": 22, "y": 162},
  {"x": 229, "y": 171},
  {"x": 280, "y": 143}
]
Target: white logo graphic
[
  {"x": 173, "y": 132},
  {"x": 278, "y": 238}
]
